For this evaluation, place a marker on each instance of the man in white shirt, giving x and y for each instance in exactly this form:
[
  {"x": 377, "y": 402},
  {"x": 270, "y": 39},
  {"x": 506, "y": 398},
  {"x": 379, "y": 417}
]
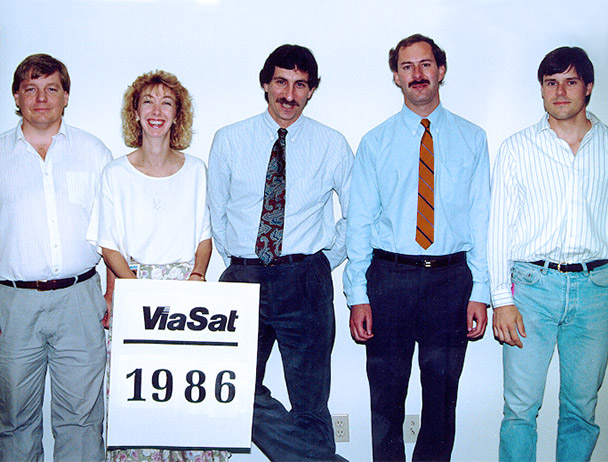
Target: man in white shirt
[
  {"x": 51, "y": 305},
  {"x": 548, "y": 261},
  {"x": 271, "y": 183}
]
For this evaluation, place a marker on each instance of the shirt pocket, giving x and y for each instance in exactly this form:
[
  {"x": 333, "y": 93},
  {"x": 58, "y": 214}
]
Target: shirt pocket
[
  {"x": 81, "y": 188},
  {"x": 306, "y": 194},
  {"x": 454, "y": 186}
]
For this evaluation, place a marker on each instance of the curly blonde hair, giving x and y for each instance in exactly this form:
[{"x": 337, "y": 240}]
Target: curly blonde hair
[{"x": 181, "y": 131}]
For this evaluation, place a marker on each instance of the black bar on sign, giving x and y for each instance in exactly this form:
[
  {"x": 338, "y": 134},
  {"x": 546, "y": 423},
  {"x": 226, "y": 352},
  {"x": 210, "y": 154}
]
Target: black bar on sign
[
  {"x": 178, "y": 342},
  {"x": 183, "y": 448}
]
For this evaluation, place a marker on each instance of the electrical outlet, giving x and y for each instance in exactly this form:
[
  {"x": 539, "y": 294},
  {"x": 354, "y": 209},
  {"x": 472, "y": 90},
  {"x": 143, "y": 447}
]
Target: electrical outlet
[
  {"x": 411, "y": 427},
  {"x": 341, "y": 430}
]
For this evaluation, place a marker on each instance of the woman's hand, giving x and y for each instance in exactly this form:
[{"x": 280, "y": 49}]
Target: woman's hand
[{"x": 196, "y": 277}]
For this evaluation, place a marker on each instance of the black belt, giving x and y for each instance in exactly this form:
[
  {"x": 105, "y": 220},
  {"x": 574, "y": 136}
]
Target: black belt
[
  {"x": 53, "y": 284},
  {"x": 285, "y": 259},
  {"x": 424, "y": 261},
  {"x": 571, "y": 267}
]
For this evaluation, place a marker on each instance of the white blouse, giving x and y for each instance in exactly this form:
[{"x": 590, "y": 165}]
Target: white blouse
[{"x": 152, "y": 220}]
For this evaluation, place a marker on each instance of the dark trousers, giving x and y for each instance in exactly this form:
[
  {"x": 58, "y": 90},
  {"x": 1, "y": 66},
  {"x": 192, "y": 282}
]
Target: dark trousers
[
  {"x": 296, "y": 310},
  {"x": 416, "y": 305}
]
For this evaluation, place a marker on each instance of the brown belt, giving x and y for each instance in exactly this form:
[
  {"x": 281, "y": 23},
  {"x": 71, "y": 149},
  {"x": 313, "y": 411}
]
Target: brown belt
[{"x": 53, "y": 284}]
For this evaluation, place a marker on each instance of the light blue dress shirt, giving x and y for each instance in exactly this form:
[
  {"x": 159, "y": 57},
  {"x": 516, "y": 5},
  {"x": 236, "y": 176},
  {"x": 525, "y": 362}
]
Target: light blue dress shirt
[
  {"x": 318, "y": 162},
  {"x": 384, "y": 189}
]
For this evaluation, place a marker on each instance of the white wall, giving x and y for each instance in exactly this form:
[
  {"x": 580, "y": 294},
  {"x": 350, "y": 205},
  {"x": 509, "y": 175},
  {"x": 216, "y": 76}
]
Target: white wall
[{"x": 217, "y": 48}]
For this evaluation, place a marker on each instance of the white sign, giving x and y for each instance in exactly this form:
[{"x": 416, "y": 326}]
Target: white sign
[{"x": 182, "y": 367}]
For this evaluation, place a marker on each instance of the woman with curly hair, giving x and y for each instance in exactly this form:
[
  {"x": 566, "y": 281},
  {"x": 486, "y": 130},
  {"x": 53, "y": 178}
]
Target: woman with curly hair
[{"x": 153, "y": 216}]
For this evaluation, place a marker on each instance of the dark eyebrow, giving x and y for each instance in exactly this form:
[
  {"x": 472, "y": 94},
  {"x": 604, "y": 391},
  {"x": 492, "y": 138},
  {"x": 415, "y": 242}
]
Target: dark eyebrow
[{"x": 412, "y": 62}]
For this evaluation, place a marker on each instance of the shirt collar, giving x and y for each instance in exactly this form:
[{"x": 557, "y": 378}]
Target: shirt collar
[
  {"x": 412, "y": 120},
  {"x": 20, "y": 136},
  {"x": 544, "y": 122},
  {"x": 292, "y": 131}
]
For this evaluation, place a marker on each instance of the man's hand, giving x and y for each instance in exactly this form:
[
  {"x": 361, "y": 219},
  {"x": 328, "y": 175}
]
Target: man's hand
[
  {"x": 105, "y": 322},
  {"x": 477, "y": 319},
  {"x": 507, "y": 321},
  {"x": 110, "y": 281},
  {"x": 361, "y": 322}
]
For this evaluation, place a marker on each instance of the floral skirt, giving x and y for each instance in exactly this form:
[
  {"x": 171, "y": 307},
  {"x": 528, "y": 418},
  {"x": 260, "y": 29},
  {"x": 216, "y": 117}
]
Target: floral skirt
[{"x": 172, "y": 271}]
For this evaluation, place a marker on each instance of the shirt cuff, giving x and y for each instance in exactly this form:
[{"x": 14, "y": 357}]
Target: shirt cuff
[
  {"x": 356, "y": 296},
  {"x": 480, "y": 293},
  {"x": 502, "y": 298}
]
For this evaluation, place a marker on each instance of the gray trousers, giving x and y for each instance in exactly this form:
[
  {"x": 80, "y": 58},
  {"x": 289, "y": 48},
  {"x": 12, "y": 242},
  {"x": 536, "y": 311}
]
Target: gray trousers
[{"x": 61, "y": 330}]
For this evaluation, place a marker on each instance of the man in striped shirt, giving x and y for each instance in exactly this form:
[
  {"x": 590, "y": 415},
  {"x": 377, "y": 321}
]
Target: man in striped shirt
[
  {"x": 292, "y": 262},
  {"x": 548, "y": 261}
]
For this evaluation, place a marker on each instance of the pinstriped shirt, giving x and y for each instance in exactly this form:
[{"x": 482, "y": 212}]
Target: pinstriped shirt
[
  {"x": 318, "y": 162},
  {"x": 547, "y": 203}
]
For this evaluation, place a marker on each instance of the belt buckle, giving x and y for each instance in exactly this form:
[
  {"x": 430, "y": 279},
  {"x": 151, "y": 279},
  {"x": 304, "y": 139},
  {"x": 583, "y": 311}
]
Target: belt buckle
[
  {"x": 559, "y": 267},
  {"x": 427, "y": 263},
  {"x": 38, "y": 287}
]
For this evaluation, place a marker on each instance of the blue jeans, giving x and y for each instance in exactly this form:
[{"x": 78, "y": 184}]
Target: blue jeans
[
  {"x": 570, "y": 310},
  {"x": 296, "y": 310}
]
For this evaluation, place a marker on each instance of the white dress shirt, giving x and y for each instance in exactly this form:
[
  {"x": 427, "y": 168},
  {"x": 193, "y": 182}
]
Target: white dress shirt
[
  {"x": 318, "y": 162},
  {"x": 45, "y": 204},
  {"x": 547, "y": 203}
]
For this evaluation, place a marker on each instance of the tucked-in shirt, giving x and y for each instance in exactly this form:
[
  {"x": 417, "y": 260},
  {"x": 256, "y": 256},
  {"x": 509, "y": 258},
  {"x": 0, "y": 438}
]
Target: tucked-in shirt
[
  {"x": 45, "y": 204},
  {"x": 154, "y": 220},
  {"x": 318, "y": 162},
  {"x": 384, "y": 193},
  {"x": 547, "y": 203}
]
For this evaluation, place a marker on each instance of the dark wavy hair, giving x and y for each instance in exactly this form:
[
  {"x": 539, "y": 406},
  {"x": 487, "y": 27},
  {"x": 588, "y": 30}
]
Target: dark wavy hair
[{"x": 291, "y": 57}]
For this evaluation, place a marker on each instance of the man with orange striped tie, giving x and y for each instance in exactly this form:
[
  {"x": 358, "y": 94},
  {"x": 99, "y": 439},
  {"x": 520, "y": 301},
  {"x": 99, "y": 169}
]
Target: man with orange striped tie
[{"x": 416, "y": 243}]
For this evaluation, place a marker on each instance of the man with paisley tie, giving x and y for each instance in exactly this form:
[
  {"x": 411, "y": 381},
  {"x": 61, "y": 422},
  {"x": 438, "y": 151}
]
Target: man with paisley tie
[
  {"x": 416, "y": 244},
  {"x": 272, "y": 178}
]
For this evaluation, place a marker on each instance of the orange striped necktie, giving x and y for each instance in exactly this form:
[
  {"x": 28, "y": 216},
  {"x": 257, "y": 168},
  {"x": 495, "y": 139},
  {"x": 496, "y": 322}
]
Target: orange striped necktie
[{"x": 425, "y": 223}]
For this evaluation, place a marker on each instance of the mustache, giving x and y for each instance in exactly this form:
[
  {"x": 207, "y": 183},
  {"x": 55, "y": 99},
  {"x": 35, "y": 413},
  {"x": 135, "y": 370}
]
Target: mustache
[
  {"x": 284, "y": 101},
  {"x": 418, "y": 82}
]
